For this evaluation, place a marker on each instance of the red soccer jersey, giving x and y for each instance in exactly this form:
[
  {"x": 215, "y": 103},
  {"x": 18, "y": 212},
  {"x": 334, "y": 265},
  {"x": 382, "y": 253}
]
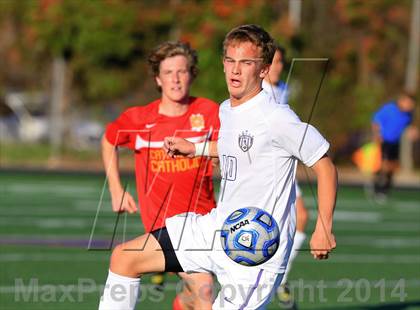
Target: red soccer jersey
[{"x": 167, "y": 186}]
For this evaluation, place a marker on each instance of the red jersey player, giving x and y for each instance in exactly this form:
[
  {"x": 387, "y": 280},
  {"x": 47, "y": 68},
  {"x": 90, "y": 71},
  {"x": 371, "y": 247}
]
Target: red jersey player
[{"x": 166, "y": 187}]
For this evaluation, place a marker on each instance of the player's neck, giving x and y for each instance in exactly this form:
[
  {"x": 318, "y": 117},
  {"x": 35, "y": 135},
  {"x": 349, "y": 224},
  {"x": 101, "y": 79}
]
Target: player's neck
[
  {"x": 269, "y": 82},
  {"x": 173, "y": 108}
]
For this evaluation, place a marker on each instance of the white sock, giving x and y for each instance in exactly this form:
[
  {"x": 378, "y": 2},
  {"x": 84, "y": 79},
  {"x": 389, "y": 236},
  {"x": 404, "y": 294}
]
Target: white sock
[
  {"x": 120, "y": 292},
  {"x": 297, "y": 244}
]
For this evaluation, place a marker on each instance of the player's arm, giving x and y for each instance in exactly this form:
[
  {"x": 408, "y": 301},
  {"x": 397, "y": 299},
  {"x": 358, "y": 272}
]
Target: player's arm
[
  {"x": 176, "y": 146},
  {"x": 111, "y": 163},
  {"x": 323, "y": 241}
]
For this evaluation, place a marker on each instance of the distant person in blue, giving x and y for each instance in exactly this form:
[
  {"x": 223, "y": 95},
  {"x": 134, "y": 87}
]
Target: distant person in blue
[{"x": 388, "y": 125}]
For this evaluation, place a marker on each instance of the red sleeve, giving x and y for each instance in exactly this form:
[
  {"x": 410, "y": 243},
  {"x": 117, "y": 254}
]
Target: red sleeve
[{"x": 117, "y": 132}]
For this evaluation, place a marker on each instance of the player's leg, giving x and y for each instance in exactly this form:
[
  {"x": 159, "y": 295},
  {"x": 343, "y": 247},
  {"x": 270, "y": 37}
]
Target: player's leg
[
  {"x": 137, "y": 257},
  {"x": 197, "y": 292},
  {"x": 129, "y": 261},
  {"x": 391, "y": 168},
  {"x": 383, "y": 179}
]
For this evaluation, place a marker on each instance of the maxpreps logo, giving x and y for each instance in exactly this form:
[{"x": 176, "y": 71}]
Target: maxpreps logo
[{"x": 245, "y": 141}]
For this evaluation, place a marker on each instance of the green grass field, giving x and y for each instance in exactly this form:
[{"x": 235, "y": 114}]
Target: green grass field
[{"x": 46, "y": 222}]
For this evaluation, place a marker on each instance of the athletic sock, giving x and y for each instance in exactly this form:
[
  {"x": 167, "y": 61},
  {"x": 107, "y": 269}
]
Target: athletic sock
[
  {"x": 120, "y": 292},
  {"x": 297, "y": 244}
]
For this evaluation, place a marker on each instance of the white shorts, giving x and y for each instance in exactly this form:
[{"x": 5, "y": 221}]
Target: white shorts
[
  {"x": 200, "y": 250},
  {"x": 246, "y": 289}
]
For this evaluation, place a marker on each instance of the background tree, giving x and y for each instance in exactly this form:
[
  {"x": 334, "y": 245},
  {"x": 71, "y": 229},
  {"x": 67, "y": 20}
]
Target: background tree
[{"x": 104, "y": 46}]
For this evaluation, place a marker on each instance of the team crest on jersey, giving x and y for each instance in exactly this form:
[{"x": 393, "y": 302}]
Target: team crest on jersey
[
  {"x": 245, "y": 141},
  {"x": 197, "y": 122}
]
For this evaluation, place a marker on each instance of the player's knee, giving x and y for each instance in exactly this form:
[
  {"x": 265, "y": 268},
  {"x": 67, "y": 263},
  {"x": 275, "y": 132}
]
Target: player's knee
[
  {"x": 302, "y": 219},
  {"x": 205, "y": 292},
  {"x": 117, "y": 257},
  {"x": 122, "y": 262},
  {"x": 304, "y": 215}
]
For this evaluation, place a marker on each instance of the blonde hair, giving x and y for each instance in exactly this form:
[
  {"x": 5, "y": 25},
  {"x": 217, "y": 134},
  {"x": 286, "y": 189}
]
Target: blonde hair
[
  {"x": 254, "y": 34},
  {"x": 170, "y": 49}
]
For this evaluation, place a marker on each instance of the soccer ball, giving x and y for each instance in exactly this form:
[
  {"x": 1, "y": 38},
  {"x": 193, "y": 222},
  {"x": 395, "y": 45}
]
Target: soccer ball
[{"x": 250, "y": 236}]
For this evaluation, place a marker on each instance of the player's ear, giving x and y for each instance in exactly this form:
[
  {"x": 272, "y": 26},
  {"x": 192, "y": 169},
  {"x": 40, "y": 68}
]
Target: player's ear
[
  {"x": 158, "y": 81},
  {"x": 264, "y": 71}
]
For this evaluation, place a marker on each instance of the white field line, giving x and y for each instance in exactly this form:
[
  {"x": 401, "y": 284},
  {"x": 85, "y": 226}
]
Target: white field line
[
  {"x": 48, "y": 222},
  {"x": 50, "y": 257},
  {"x": 30, "y": 212},
  {"x": 335, "y": 258},
  {"x": 55, "y": 236},
  {"x": 94, "y": 190},
  {"x": 38, "y": 212},
  {"x": 354, "y": 216},
  {"x": 90, "y": 205},
  {"x": 365, "y": 203},
  {"x": 60, "y": 223},
  {"x": 365, "y": 259},
  {"x": 35, "y": 211},
  {"x": 108, "y": 222},
  {"x": 382, "y": 242},
  {"x": 86, "y": 203},
  {"x": 407, "y": 206},
  {"x": 54, "y": 189},
  {"x": 89, "y": 209},
  {"x": 80, "y": 207},
  {"x": 392, "y": 227}
]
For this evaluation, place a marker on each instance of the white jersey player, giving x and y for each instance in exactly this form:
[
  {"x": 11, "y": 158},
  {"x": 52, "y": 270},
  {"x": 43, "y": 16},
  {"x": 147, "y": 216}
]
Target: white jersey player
[{"x": 259, "y": 144}]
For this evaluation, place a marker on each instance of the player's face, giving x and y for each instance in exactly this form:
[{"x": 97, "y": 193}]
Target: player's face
[
  {"x": 275, "y": 69},
  {"x": 244, "y": 71},
  {"x": 406, "y": 104},
  {"x": 174, "y": 78}
]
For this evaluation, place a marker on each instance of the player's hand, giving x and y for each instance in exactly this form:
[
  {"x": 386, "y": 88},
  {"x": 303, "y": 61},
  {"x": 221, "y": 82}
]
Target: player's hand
[
  {"x": 128, "y": 205},
  {"x": 322, "y": 243},
  {"x": 176, "y": 146}
]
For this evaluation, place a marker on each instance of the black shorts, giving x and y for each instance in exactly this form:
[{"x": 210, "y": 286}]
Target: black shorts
[
  {"x": 390, "y": 151},
  {"x": 171, "y": 261}
]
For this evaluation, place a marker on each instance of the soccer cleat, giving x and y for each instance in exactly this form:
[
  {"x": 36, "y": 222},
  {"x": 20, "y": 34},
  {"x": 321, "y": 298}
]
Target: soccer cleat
[
  {"x": 285, "y": 297},
  {"x": 158, "y": 281}
]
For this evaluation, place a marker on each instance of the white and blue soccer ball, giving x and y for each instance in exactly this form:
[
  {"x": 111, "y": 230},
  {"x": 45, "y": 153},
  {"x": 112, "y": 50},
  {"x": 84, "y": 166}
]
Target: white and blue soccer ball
[{"x": 250, "y": 236}]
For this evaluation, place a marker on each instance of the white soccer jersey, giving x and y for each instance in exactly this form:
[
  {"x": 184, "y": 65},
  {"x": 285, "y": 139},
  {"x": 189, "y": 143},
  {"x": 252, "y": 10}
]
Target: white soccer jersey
[
  {"x": 280, "y": 94},
  {"x": 259, "y": 145}
]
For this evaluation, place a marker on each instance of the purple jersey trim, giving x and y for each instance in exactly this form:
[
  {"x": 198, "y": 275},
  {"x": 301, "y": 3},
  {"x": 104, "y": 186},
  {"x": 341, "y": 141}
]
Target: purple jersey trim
[{"x": 252, "y": 290}]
